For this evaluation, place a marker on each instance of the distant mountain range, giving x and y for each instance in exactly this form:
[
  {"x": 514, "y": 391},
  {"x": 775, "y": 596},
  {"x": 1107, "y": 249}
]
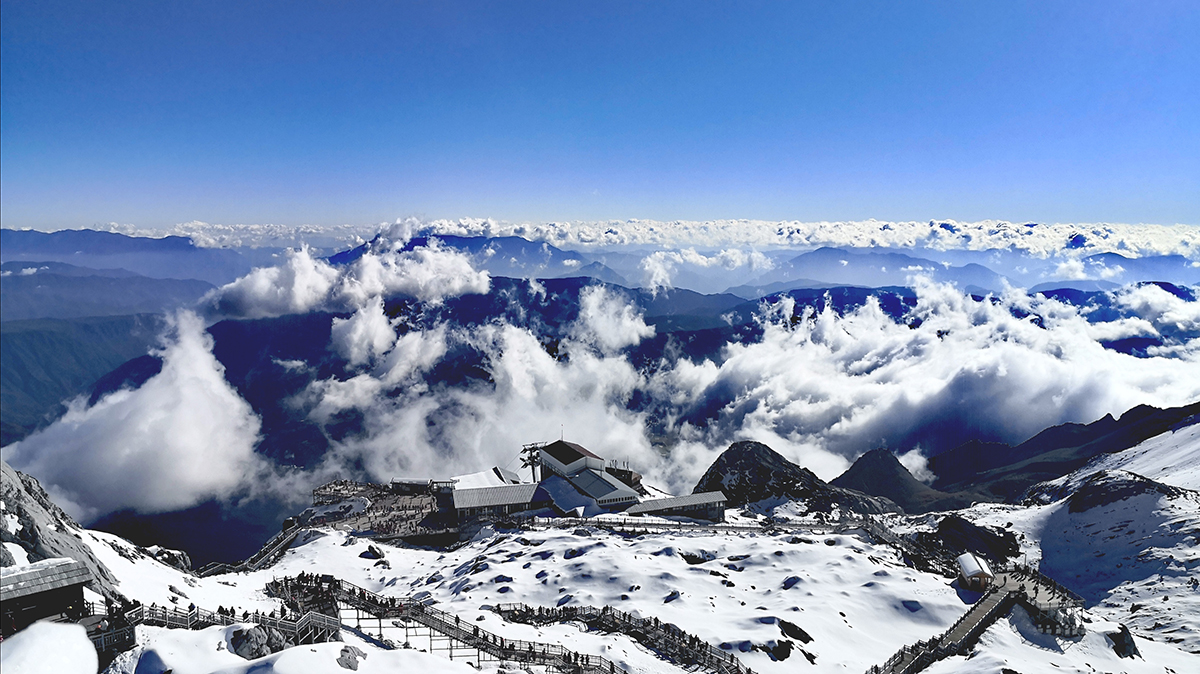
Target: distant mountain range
[
  {"x": 47, "y": 361},
  {"x": 996, "y": 472},
  {"x": 834, "y": 266},
  {"x": 170, "y": 257},
  {"x": 57, "y": 290}
]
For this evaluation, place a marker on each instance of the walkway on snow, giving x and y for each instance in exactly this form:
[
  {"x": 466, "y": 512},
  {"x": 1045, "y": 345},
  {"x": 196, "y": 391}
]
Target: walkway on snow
[
  {"x": 325, "y": 591},
  {"x": 666, "y": 639},
  {"x": 1041, "y": 596}
]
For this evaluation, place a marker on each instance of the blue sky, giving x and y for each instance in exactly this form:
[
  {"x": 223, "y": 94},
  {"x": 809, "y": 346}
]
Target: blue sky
[{"x": 326, "y": 113}]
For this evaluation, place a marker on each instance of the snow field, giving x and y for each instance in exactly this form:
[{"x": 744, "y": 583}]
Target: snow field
[{"x": 48, "y": 648}]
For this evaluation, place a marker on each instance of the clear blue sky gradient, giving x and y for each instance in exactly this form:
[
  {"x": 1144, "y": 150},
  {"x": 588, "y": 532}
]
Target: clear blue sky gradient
[{"x": 355, "y": 112}]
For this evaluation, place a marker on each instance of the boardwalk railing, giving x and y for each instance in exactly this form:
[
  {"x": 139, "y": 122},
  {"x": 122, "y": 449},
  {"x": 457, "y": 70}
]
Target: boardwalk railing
[
  {"x": 667, "y": 639},
  {"x": 309, "y": 628},
  {"x": 553, "y": 656},
  {"x": 266, "y": 554},
  {"x": 1048, "y": 607}
]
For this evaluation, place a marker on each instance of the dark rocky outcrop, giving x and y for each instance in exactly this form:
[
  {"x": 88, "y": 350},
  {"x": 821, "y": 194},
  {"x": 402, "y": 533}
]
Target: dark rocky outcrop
[
  {"x": 348, "y": 658},
  {"x": 176, "y": 558},
  {"x": 879, "y": 473},
  {"x": 749, "y": 472},
  {"x": 1109, "y": 486},
  {"x": 956, "y": 535},
  {"x": 1123, "y": 644},
  {"x": 258, "y": 641},
  {"x": 372, "y": 552},
  {"x": 43, "y": 530},
  {"x": 998, "y": 472}
]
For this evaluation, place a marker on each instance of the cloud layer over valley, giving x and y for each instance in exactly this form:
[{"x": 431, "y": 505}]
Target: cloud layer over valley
[
  {"x": 424, "y": 365},
  {"x": 1040, "y": 240},
  {"x": 183, "y": 437}
]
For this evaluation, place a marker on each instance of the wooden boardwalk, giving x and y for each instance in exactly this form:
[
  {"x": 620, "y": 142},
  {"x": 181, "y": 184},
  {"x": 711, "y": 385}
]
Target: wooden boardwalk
[
  {"x": 672, "y": 643},
  {"x": 1044, "y": 599},
  {"x": 321, "y": 590},
  {"x": 312, "y": 627}
]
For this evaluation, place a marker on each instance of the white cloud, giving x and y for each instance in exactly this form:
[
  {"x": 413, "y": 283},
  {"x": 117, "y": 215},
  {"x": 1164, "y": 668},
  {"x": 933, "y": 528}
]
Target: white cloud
[
  {"x": 819, "y": 387},
  {"x": 820, "y": 390},
  {"x": 1167, "y": 312},
  {"x": 429, "y": 273},
  {"x": 839, "y": 385},
  {"x": 1039, "y": 240},
  {"x": 1042, "y": 240},
  {"x": 183, "y": 437},
  {"x": 365, "y": 335},
  {"x": 659, "y": 268},
  {"x": 1072, "y": 270},
  {"x": 300, "y": 284},
  {"x": 917, "y": 464},
  {"x": 448, "y": 430},
  {"x": 303, "y": 283},
  {"x": 608, "y": 321}
]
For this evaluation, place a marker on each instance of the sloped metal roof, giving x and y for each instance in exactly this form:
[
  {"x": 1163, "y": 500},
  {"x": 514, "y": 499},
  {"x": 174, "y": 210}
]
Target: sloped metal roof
[
  {"x": 567, "y": 453},
  {"x": 970, "y": 565},
  {"x": 688, "y": 501},
  {"x": 48, "y": 574},
  {"x": 487, "y": 497},
  {"x": 601, "y": 486}
]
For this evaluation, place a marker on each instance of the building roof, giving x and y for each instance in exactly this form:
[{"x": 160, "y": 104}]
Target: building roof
[
  {"x": 487, "y": 497},
  {"x": 494, "y": 477},
  {"x": 970, "y": 565},
  {"x": 600, "y": 485},
  {"x": 48, "y": 574},
  {"x": 567, "y": 453},
  {"x": 688, "y": 501}
]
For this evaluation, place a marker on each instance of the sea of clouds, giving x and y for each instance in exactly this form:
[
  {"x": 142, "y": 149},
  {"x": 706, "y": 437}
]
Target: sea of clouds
[
  {"x": 821, "y": 387},
  {"x": 1039, "y": 240}
]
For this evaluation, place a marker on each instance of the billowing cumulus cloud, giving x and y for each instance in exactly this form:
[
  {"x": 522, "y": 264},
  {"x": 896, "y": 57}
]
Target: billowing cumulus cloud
[
  {"x": 299, "y": 285},
  {"x": 819, "y": 386},
  {"x": 428, "y": 429},
  {"x": 659, "y": 268},
  {"x": 183, "y": 437},
  {"x": 1167, "y": 312},
  {"x": 608, "y": 321},
  {"x": 363, "y": 336},
  {"x": 439, "y": 395},
  {"x": 832, "y": 386},
  {"x": 304, "y": 283},
  {"x": 429, "y": 273}
]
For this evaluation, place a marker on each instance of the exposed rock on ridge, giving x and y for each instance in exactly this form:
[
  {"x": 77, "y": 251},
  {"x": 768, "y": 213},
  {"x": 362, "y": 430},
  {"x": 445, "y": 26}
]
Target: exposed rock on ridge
[
  {"x": 750, "y": 471},
  {"x": 879, "y": 473},
  {"x": 43, "y": 530}
]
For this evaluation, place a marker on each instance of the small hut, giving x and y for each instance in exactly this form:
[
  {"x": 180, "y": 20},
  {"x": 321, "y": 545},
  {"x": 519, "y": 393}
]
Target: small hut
[
  {"x": 46, "y": 589},
  {"x": 974, "y": 572}
]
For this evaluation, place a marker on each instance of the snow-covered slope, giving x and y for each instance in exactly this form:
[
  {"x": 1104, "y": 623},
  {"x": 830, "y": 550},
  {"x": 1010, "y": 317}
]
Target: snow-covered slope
[
  {"x": 1128, "y": 545},
  {"x": 855, "y": 600},
  {"x": 1135, "y": 560},
  {"x": 1171, "y": 458}
]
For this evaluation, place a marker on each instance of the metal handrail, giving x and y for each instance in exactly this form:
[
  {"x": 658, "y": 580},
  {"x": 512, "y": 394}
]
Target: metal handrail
[{"x": 517, "y": 650}]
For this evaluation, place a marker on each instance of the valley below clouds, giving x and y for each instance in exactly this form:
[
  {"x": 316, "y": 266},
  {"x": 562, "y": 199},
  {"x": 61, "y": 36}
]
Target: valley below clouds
[{"x": 409, "y": 357}]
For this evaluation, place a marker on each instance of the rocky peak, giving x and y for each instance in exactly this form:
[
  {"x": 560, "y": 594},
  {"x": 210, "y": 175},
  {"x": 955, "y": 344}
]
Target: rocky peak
[
  {"x": 880, "y": 473},
  {"x": 750, "y": 471},
  {"x": 1109, "y": 486}
]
